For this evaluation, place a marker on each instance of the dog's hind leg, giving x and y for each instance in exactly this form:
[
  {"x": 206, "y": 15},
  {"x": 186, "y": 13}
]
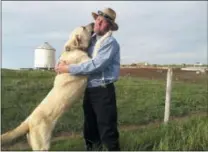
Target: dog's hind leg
[
  {"x": 46, "y": 132},
  {"x": 40, "y": 136},
  {"x": 34, "y": 138},
  {"x": 28, "y": 139}
]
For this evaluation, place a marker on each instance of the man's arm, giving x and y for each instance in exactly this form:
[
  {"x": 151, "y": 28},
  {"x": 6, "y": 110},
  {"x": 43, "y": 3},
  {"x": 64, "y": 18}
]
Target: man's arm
[{"x": 101, "y": 61}]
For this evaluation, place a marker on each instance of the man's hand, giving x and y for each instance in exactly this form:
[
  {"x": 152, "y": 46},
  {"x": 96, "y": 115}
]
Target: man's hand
[{"x": 62, "y": 67}]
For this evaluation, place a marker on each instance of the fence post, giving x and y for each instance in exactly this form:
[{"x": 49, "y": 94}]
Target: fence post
[{"x": 168, "y": 95}]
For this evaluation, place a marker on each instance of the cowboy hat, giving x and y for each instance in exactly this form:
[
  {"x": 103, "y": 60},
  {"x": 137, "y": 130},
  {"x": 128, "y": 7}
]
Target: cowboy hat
[{"x": 109, "y": 14}]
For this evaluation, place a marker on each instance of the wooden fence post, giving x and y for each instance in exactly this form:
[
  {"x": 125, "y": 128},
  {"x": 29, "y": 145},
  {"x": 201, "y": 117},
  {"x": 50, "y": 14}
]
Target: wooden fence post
[{"x": 168, "y": 95}]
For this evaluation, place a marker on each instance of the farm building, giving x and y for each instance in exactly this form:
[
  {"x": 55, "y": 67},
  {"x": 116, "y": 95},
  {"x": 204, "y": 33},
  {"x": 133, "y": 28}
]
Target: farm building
[{"x": 44, "y": 57}]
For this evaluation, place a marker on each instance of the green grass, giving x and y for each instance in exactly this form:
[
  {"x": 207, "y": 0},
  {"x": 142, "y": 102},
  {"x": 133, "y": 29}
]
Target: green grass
[
  {"x": 140, "y": 101},
  {"x": 191, "y": 134}
]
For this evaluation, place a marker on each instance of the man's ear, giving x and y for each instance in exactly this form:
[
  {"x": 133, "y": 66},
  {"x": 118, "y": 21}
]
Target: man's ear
[{"x": 77, "y": 40}]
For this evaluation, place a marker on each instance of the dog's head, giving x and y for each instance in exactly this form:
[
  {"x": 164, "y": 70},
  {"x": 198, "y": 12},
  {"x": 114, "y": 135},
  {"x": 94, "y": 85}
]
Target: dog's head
[{"x": 80, "y": 38}]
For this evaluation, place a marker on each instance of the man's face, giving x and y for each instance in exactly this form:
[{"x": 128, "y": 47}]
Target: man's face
[{"x": 101, "y": 25}]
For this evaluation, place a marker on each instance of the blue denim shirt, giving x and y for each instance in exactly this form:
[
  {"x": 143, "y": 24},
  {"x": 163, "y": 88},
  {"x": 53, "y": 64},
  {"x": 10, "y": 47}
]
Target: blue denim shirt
[{"x": 104, "y": 68}]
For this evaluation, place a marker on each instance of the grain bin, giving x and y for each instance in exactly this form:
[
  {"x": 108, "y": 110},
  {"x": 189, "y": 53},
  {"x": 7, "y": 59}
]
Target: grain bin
[{"x": 45, "y": 57}]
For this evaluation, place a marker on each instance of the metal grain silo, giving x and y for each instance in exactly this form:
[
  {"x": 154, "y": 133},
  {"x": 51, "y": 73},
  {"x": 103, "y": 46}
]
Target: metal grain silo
[{"x": 45, "y": 57}]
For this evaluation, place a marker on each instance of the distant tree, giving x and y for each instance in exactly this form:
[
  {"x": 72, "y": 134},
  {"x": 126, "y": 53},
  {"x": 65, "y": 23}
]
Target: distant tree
[
  {"x": 133, "y": 64},
  {"x": 154, "y": 65},
  {"x": 184, "y": 65}
]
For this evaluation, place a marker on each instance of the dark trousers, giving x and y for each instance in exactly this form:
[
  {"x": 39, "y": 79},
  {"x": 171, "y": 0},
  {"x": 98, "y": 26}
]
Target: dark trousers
[{"x": 100, "y": 118}]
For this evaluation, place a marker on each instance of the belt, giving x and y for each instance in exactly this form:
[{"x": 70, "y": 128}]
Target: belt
[{"x": 102, "y": 86}]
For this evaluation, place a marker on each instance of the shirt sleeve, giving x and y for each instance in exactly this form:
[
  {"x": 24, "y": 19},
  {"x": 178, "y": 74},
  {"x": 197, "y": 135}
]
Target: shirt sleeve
[{"x": 101, "y": 61}]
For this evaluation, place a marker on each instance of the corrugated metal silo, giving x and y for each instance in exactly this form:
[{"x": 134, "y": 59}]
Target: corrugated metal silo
[{"x": 45, "y": 57}]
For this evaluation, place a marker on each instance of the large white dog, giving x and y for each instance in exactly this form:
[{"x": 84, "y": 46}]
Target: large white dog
[{"x": 66, "y": 89}]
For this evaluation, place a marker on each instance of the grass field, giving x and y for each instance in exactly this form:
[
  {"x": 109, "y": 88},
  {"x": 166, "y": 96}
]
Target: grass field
[{"x": 140, "y": 102}]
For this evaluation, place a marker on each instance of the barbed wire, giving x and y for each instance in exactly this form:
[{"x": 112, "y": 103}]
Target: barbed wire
[
  {"x": 175, "y": 78},
  {"x": 23, "y": 76},
  {"x": 127, "y": 84},
  {"x": 138, "y": 84},
  {"x": 39, "y": 88},
  {"x": 158, "y": 107}
]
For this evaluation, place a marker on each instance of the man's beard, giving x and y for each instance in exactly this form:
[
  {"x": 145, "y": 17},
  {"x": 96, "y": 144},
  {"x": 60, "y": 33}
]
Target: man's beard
[{"x": 101, "y": 33}]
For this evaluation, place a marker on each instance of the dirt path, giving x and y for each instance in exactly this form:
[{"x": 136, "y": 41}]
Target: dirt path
[{"x": 68, "y": 135}]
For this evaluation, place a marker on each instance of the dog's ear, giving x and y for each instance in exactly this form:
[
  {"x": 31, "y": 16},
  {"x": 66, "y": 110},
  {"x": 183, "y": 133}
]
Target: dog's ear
[
  {"x": 77, "y": 40},
  {"x": 67, "y": 48}
]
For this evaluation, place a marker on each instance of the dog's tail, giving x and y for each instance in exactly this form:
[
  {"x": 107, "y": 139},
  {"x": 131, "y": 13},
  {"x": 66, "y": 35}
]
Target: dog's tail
[{"x": 15, "y": 133}]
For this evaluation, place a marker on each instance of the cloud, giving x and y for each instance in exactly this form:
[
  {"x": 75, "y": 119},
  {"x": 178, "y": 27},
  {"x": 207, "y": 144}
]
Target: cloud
[{"x": 156, "y": 32}]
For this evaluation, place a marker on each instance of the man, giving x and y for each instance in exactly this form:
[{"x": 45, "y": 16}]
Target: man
[{"x": 99, "y": 104}]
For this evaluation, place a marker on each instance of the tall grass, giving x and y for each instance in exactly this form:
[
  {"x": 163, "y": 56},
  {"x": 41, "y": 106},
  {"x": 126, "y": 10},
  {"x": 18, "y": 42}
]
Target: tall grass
[{"x": 191, "y": 134}]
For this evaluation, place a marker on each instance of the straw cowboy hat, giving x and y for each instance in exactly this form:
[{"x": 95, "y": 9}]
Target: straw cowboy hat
[{"x": 108, "y": 14}]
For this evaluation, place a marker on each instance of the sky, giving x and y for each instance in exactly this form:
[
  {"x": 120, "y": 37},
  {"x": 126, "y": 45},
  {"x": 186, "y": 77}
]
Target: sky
[{"x": 157, "y": 32}]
